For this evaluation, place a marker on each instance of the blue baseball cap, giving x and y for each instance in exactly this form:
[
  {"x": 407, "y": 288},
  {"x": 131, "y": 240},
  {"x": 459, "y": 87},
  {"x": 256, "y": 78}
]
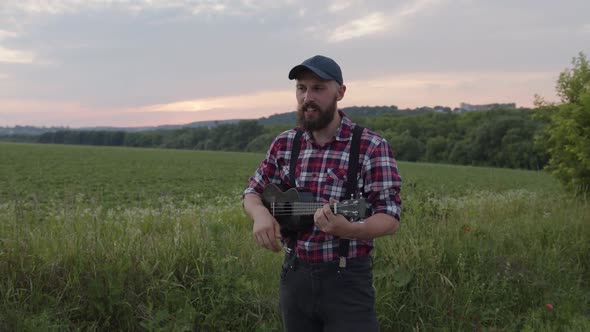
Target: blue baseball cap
[{"x": 324, "y": 67}]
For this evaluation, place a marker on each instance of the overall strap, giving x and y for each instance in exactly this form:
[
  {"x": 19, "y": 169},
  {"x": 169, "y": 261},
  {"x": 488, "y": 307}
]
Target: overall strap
[
  {"x": 351, "y": 184},
  {"x": 353, "y": 161},
  {"x": 295, "y": 156},
  {"x": 296, "y": 147}
]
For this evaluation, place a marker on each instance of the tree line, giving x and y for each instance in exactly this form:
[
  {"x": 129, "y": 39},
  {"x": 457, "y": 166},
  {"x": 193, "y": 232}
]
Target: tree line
[
  {"x": 501, "y": 138},
  {"x": 566, "y": 136},
  {"x": 556, "y": 135},
  {"x": 226, "y": 137}
]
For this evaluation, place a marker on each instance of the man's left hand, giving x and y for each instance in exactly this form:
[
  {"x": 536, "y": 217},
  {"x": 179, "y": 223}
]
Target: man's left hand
[{"x": 333, "y": 224}]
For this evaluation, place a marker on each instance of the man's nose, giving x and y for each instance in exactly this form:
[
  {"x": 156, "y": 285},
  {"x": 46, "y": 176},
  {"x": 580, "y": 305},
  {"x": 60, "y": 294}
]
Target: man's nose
[{"x": 308, "y": 96}]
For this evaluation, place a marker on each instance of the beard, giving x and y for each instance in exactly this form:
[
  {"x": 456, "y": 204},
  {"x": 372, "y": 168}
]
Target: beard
[{"x": 325, "y": 116}]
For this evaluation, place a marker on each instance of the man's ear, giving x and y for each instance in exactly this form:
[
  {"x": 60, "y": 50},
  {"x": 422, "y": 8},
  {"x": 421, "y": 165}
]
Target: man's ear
[{"x": 341, "y": 91}]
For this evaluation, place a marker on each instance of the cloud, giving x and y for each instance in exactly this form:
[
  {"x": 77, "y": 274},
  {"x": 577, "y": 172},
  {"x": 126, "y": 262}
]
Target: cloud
[
  {"x": 416, "y": 7},
  {"x": 8, "y": 55},
  {"x": 59, "y": 7},
  {"x": 15, "y": 56},
  {"x": 18, "y": 106},
  {"x": 339, "y": 5},
  {"x": 418, "y": 89},
  {"x": 406, "y": 90},
  {"x": 7, "y": 34},
  {"x": 170, "y": 57},
  {"x": 363, "y": 26},
  {"x": 195, "y": 7},
  {"x": 76, "y": 114},
  {"x": 267, "y": 99},
  {"x": 375, "y": 22}
]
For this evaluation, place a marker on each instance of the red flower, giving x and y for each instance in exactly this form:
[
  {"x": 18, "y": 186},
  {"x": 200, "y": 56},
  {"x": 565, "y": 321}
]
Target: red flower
[
  {"x": 549, "y": 306},
  {"x": 468, "y": 229}
]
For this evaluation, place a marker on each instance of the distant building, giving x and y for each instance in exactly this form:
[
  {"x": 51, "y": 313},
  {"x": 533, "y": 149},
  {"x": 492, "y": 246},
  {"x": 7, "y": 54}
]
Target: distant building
[
  {"x": 464, "y": 107},
  {"x": 442, "y": 109}
]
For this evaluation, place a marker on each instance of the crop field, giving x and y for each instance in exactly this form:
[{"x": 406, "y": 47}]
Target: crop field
[{"x": 108, "y": 239}]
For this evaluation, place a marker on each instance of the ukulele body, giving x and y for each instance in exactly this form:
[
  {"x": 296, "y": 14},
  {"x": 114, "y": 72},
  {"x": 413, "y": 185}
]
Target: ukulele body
[
  {"x": 294, "y": 208},
  {"x": 283, "y": 203}
]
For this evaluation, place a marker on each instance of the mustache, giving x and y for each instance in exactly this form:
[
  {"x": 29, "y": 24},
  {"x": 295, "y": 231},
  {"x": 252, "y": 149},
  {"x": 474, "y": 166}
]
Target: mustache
[{"x": 307, "y": 105}]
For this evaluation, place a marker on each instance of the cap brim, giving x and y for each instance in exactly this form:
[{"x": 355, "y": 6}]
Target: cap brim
[{"x": 294, "y": 73}]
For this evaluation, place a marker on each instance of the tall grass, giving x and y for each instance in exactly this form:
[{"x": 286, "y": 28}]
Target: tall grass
[
  {"x": 132, "y": 269},
  {"x": 479, "y": 248},
  {"x": 488, "y": 261}
]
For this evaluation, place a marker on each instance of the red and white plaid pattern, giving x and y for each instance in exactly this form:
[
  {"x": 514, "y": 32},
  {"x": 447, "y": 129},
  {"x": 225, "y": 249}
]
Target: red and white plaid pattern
[{"x": 323, "y": 170}]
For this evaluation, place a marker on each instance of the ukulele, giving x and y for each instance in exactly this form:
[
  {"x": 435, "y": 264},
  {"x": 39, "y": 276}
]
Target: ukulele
[{"x": 294, "y": 208}]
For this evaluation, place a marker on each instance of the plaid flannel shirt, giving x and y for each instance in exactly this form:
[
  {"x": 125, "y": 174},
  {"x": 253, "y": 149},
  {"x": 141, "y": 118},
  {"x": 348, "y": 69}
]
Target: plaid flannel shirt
[{"x": 323, "y": 171}]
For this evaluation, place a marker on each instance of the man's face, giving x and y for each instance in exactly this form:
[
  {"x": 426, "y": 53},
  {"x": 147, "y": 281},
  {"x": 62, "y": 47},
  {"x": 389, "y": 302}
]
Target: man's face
[{"x": 317, "y": 101}]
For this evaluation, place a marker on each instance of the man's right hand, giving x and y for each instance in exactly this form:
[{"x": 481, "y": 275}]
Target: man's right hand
[
  {"x": 266, "y": 229},
  {"x": 267, "y": 233}
]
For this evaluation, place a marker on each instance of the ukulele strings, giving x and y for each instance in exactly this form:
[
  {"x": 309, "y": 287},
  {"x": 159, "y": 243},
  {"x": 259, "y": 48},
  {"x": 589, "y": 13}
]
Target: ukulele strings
[{"x": 306, "y": 208}]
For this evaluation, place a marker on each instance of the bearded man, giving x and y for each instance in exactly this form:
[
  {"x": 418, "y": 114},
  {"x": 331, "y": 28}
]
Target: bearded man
[{"x": 326, "y": 282}]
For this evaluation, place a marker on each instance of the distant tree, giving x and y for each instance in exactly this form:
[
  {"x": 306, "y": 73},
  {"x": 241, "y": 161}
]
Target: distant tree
[
  {"x": 567, "y": 133},
  {"x": 260, "y": 143},
  {"x": 437, "y": 149},
  {"x": 118, "y": 138},
  {"x": 47, "y": 138},
  {"x": 519, "y": 151},
  {"x": 486, "y": 140},
  {"x": 147, "y": 139},
  {"x": 460, "y": 153},
  {"x": 221, "y": 137},
  {"x": 245, "y": 132},
  {"x": 71, "y": 137},
  {"x": 405, "y": 146},
  {"x": 199, "y": 135},
  {"x": 573, "y": 83},
  {"x": 179, "y": 139}
]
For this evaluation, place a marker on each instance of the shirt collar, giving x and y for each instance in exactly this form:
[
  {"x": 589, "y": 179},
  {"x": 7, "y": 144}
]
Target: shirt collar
[{"x": 344, "y": 132}]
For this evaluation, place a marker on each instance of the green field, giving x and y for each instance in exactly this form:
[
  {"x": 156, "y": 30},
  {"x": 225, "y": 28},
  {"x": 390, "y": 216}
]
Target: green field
[{"x": 141, "y": 239}]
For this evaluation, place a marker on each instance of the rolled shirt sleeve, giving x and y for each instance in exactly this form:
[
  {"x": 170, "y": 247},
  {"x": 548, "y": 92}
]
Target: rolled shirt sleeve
[{"x": 382, "y": 182}]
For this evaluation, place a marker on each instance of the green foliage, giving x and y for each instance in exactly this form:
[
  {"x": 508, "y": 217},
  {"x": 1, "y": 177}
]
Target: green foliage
[
  {"x": 501, "y": 138},
  {"x": 226, "y": 137},
  {"x": 119, "y": 239},
  {"x": 406, "y": 147},
  {"x": 567, "y": 133},
  {"x": 19, "y": 138},
  {"x": 573, "y": 82},
  {"x": 437, "y": 149},
  {"x": 111, "y": 176},
  {"x": 260, "y": 143},
  {"x": 494, "y": 260}
]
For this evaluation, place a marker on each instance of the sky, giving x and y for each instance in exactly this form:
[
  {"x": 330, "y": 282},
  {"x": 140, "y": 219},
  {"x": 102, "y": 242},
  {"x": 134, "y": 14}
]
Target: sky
[{"x": 82, "y": 63}]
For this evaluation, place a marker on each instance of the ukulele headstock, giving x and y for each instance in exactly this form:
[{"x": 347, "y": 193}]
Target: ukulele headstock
[{"x": 352, "y": 208}]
